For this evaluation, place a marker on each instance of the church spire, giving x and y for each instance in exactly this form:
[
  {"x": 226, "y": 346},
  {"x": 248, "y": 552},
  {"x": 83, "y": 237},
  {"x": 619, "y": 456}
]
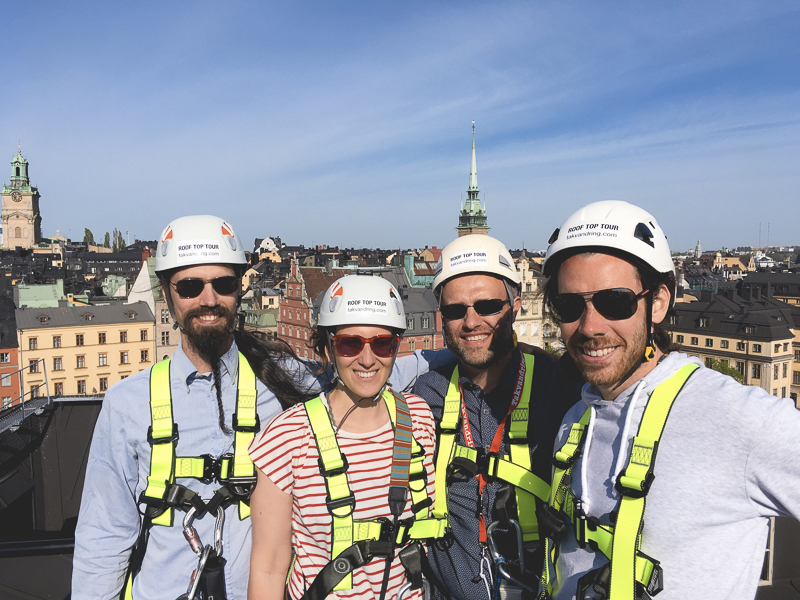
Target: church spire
[
  {"x": 472, "y": 218},
  {"x": 473, "y": 172}
]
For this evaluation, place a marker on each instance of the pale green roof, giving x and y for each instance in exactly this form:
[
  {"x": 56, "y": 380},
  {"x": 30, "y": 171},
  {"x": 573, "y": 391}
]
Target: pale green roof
[
  {"x": 19, "y": 158},
  {"x": 45, "y": 295}
]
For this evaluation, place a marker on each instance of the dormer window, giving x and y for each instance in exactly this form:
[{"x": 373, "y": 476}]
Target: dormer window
[
  {"x": 88, "y": 317},
  {"x": 704, "y": 321},
  {"x": 44, "y": 319},
  {"x": 131, "y": 315}
]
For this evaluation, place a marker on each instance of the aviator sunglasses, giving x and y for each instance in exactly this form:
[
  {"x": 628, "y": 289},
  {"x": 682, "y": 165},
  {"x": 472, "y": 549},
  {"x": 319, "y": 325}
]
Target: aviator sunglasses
[
  {"x": 383, "y": 346},
  {"x": 615, "y": 304},
  {"x": 192, "y": 287},
  {"x": 484, "y": 308}
]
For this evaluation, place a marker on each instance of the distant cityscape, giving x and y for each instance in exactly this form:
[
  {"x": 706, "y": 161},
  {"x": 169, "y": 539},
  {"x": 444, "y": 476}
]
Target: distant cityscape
[{"x": 78, "y": 316}]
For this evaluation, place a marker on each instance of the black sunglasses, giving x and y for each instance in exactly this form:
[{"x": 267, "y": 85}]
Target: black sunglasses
[
  {"x": 615, "y": 304},
  {"x": 484, "y": 308},
  {"x": 192, "y": 288},
  {"x": 383, "y": 346}
]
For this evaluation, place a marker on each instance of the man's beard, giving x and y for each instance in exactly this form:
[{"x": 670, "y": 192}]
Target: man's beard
[
  {"x": 502, "y": 343},
  {"x": 209, "y": 342},
  {"x": 609, "y": 375}
]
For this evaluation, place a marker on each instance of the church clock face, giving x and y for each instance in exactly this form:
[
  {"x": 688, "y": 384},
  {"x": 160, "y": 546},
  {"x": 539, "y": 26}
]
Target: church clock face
[{"x": 16, "y": 196}]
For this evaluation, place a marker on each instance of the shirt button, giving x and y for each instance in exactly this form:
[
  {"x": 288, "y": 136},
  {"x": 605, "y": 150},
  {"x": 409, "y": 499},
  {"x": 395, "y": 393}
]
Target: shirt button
[{"x": 486, "y": 411}]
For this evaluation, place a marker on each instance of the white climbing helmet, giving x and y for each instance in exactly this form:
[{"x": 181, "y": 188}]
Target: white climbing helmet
[
  {"x": 475, "y": 253},
  {"x": 362, "y": 300},
  {"x": 198, "y": 240},
  {"x": 611, "y": 224}
]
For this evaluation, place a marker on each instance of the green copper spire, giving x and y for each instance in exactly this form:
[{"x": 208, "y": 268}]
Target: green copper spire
[{"x": 472, "y": 218}]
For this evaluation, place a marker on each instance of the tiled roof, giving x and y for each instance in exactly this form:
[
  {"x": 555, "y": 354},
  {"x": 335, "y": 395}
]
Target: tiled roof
[{"x": 29, "y": 318}]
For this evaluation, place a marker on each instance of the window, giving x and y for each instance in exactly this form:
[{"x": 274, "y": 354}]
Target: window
[
  {"x": 528, "y": 287},
  {"x": 740, "y": 346},
  {"x": 708, "y": 361},
  {"x": 43, "y": 319},
  {"x": 145, "y": 356},
  {"x": 723, "y": 344},
  {"x": 740, "y": 366},
  {"x": 143, "y": 335},
  {"x": 775, "y": 392},
  {"x": 410, "y": 323},
  {"x": 79, "y": 339},
  {"x": 6, "y": 401},
  {"x": 426, "y": 322},
  {"x": 796, "y": 356},
  {"x": 123, "y": 377},
  {"x": 165, "y": 315},
  {"x": 57, "y": 364},
  {"x": 756, "y": 371},
  {"x": 783, "y": 392},
  {"x": 704, "y": 322},
  {"x": 59, "y": 389},
  {"x": 305, "y": 333},
  {"x": 123, "y": 358},
  {"x": 101, "y": 338},
  {"x": 757, "y": 348},
  {"x": 709, "y": 343},
  {"x": 5, "y": 357},
  {"x": 131, "y": 315},
  {"x": 56, "y": 341},
  {"x": 81, "y": 386},
  {"x": 749, "y": 329},
  {"x": 5, "y": 380},
  {"x": 796, "y": 378},
  {"x": 426, "y": 344},
  {"x": 411, "y": 345},
  {"x": 33, "y": 366},
  {"x": 33, "y": 344},
  {"x": 103, "y": 384},
  {"x": 102, "y": 359},
  {"x": 694, "y": 341},
  {"x": 673, "y": 319},
  {"x": 724, "y": 361},
  {"x": 123, "y": 337},
  {"x": 679, "y": 338},
  {"x": 785, "y": 369},
  {"x": 777, "y": 347},
  {"x": 88, "y": 316},
  {"x": 786, "y": 347},
  {"x": 81, "y": 361},
  {"x": 34, "y": 391},
  {"x": 165, "y": 338}
]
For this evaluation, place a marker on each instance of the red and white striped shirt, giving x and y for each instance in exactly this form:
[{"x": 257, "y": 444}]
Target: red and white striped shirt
[{"x": 287, "y": 454}]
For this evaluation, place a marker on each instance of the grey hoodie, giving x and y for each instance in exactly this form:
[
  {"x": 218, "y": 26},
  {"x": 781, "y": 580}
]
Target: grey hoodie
[{"x": 727, "y": 460}]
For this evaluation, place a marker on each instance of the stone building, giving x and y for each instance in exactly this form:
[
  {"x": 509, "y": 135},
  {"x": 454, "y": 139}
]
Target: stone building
[
  {"x": 20, "y": 221},
  {"x": 472, "y": 218}
]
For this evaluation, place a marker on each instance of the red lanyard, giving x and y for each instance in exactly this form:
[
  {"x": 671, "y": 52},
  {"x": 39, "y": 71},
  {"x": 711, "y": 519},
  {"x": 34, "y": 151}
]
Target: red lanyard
[{"x": 496, "y": 441}]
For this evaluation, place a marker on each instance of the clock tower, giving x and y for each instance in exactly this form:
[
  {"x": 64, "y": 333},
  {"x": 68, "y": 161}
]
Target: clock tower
[{"x": 20, "y": 222}]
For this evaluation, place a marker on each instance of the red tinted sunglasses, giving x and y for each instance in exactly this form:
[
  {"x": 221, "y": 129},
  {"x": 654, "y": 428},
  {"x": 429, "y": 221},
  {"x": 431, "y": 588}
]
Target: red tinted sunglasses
[{"x": 383, "y": 346}]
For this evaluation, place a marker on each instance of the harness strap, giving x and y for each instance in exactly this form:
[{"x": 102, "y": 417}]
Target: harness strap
[{"x": 163, "y": 437}]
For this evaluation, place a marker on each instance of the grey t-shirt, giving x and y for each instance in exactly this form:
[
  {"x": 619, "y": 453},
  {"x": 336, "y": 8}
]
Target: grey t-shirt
[{"x": 727, "y": 461}]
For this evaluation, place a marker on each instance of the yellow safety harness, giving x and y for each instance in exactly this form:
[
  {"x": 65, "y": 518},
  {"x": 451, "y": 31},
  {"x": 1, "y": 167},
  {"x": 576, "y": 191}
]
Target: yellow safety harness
[
  {"x": 355, "y": 542},
  {"x": 235, "y": 472},
  {"x": 629, "y": 571},
  {"x": 514, "y": 468}
]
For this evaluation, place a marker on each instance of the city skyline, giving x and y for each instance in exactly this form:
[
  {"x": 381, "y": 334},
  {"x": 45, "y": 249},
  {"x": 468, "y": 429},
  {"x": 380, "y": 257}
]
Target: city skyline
[{"x": 359, "y": 112}]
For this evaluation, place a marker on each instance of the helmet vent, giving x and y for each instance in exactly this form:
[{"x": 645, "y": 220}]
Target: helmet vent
[
  {"x": 643, "y": 233},
  {"x": 165, "y": 247},
  {"x": 334, "y": 303},
  {"x": 502, "y": 260},
  {"x": 554, "y": 237}
]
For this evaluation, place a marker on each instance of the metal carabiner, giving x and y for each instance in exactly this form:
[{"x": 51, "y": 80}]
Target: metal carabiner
[
  {"x": 218, "y": 530},
  {"x": 198, "y": 572},
  {"x": 426, "y": 591},
  {"x": 500, "y": 561},
  {"x": 190, "y": 533}
]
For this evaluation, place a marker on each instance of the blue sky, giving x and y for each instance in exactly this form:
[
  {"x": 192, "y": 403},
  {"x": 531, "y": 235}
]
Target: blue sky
[{"x": 349, "y": 123}]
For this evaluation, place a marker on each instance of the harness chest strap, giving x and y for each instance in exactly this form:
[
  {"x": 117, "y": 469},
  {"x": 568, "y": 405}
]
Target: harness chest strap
[
  {"x": 621, "y": 542},
  {"x": 165, "y": 467},
  {"x": 516, "y": 471},
  {"x": 347, "y": 531}
]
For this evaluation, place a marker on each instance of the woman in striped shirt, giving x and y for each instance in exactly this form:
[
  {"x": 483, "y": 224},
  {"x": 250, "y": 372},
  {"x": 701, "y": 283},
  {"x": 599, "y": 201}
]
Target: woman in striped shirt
[{"x": 360, "y": 325}]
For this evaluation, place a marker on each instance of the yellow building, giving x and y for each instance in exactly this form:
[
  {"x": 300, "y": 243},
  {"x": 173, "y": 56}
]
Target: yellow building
[{"x": 84, "y": 349}]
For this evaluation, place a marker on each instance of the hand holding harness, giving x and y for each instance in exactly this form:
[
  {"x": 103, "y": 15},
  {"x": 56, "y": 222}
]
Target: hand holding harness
[
  {"x": 460, "y": 462},
  {"x": 629, "y": 572},
  {"x": 356, "y": 542}
]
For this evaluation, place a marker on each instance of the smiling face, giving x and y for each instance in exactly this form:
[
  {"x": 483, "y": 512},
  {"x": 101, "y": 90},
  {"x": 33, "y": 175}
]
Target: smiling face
[
  {"x": 479, "y": 341},
  {"x": 207, "y": 320},
  {"x": 606, "y": 350},
  {"x": 365, "y": 374}
]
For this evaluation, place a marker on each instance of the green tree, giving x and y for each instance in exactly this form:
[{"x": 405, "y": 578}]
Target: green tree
[
  {"x": 118, "y": 244},
  {"x": 88, "y": 238},
  {"x": 107, "y": 241},
  {"x": 722, "y": 367}
]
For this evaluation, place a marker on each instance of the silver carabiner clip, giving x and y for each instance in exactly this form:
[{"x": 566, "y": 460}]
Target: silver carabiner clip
[
  {"x": 500, "y": 561},
  {"x": 218, "y": 530},
  {"x": 201, "y": 565},
  {"x": 190, "y": 533},
  {"x": 426, "y": 590}
]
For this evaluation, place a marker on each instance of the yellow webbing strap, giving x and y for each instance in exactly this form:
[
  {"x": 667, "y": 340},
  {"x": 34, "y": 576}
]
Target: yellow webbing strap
[
  {"x": 447, "y": 444},
  {"x": 162, "y": 453},
  {"x": 635, "y": 481},
  {"x": 521, "y": 457},
  {"x": 246, "y": 417},
  {"x": 564, "y": 461},
  {"x": 333, "y": 463}
]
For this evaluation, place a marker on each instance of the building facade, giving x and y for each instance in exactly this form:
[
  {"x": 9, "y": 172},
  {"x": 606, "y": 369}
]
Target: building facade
[
  {"x": 84, "y": 350},
  {"x": 20, "y": 221}
]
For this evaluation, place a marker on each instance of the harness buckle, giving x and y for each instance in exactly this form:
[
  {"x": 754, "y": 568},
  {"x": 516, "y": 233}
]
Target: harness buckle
[
  {"x": 483, "y": 460},
  {"x": 210, "y": 468},
  {"x": 163, "y": 440},
  {"x": 246, "y": 428},
  {"x": 341, "y": 503},
  {"x": 566, "y": 462},
  {"x": 331, "y": 472},
  {"x": 634, "y": 492}
]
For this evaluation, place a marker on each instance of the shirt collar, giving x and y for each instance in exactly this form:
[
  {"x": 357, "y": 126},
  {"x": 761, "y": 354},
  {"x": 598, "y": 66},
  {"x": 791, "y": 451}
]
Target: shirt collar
[{"x": 186, "y": 372}]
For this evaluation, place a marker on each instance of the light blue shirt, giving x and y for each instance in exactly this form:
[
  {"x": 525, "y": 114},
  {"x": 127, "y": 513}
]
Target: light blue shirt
[{"x": 119, "y": 463}]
